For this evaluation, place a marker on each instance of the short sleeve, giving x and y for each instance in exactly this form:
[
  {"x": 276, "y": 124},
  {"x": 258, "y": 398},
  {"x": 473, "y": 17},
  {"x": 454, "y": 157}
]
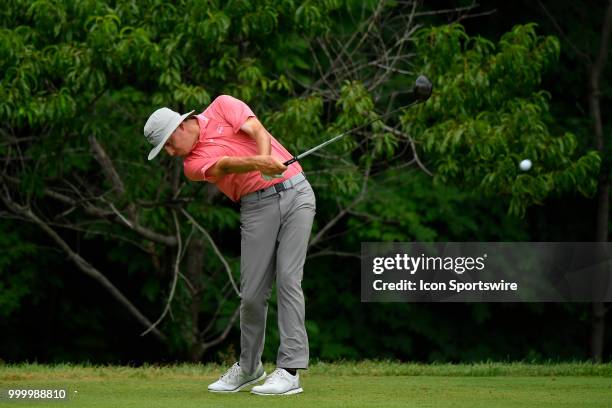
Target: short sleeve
[
  {"x": 233, "y": 110},
  {"x": 196, "y": 165}
]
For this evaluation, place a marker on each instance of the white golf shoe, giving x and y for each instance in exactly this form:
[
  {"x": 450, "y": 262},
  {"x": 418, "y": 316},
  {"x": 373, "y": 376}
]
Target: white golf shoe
[
  {"x": 235, "y": 379},
  {"x": 280, "y": 382}
]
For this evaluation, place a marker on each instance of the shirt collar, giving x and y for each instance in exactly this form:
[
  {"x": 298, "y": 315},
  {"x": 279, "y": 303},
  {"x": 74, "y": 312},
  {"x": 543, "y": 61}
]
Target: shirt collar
[{"x": 203, "y": 121}]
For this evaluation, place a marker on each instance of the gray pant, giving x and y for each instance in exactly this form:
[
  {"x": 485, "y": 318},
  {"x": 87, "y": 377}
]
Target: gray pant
[{"x": 275, "y": 232}]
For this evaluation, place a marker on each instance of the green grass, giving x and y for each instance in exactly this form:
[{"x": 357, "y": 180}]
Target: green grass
[{"x": 346, "y": 384}]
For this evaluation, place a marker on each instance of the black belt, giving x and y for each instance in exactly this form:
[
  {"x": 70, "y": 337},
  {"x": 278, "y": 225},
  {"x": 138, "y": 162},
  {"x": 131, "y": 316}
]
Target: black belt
[{"x": 275, "y": 189}]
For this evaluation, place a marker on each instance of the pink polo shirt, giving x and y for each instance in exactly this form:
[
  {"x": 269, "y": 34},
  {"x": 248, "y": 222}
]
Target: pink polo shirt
[{"x": 220, "y": 135}]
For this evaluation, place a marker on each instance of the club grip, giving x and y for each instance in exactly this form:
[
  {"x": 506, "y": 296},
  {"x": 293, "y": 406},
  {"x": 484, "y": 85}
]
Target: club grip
[{"x": 292, "y": 160}]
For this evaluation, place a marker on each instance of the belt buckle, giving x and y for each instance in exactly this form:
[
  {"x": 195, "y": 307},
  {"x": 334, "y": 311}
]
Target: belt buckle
[{"x": 278, "y": 187}]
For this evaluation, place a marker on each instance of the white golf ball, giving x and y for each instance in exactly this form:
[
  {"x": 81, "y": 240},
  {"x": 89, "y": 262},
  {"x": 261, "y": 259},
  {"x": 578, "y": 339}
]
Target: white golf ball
[{"x": 525, "y": 165}]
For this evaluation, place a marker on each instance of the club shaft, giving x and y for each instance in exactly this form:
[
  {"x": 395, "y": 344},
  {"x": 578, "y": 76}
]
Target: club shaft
[
  {"x": 333, "y": 139},
  {"x": 322, "y": 145}
]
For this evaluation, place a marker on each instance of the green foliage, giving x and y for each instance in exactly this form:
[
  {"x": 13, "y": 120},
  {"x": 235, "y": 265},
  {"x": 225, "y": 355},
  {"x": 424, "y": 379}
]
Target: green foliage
[
  {"x": 408, "y": 206},
  {"x": 15, "y": 283},
  {"x": 70, "y": 70},
  {"x": 487, "y": 114},
  {"x": 298, "y": 123}
]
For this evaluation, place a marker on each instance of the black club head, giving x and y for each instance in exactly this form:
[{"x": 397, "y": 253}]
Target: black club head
[{"x": 422, "y": 88}]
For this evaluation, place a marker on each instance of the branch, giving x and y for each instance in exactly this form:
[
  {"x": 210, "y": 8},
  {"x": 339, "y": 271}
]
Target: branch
[
  {"x": 410, "y": 29},
  {"x": 368, "y": 25},
  {"x": 481, "y": 14},
  {"x": 446, "y": 11},
  {"x": 106, "y": 164},
  {"x": 602, "y": 55},
  {"x": 343, "y": 212},
  {"x": 112, "y": 174},
  {"x": 118, "y": 214},
  {"x": 97, "y": 212},
  {"x": 82, "y": 264},
  {"x": 177, "y": 263},
  {"x": 578, "y": 52},
  {"x": 222, "y": 336},
  {"x": 213, "y": 319},
  {"x": 215, "y": 248},
  {"x": 334, "y": 253},
  {"x": 595, "y": 86},
  {"x": 416, "y": 156},
  {"x": 334, "y": 220},
  {"x": 106, "y": 234}
]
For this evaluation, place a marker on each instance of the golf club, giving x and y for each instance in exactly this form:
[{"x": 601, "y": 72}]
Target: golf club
[{"x": 421, "y": 91}]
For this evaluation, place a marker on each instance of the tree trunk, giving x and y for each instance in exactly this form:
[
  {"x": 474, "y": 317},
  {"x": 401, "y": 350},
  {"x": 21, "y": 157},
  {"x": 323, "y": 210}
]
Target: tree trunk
[
  {"x": 193, "y": 272},
  {"x": 603, "y": 193},
  {"x": 599, "y": 309}
]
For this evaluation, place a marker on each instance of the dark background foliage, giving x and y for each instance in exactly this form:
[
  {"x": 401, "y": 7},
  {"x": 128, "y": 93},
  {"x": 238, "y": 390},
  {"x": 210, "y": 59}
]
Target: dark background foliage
[{"x": 76, "y": 75}]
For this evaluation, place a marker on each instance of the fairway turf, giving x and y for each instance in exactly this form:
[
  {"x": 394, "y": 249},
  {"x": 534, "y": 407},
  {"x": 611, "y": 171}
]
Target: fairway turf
[{"x": 366, "y": 384}]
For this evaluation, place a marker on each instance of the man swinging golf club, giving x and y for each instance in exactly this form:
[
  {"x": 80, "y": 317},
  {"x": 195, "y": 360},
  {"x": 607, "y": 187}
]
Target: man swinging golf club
[{"x": 228, "y": 146}]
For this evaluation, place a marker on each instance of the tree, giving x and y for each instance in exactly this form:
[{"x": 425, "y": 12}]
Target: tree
[
  {"x": 79, "y": 79},
  {"x": 593, "y": 57}
]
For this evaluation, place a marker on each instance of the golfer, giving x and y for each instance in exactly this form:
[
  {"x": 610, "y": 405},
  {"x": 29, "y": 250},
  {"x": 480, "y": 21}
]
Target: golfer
[{"x": 228, "y": 146}]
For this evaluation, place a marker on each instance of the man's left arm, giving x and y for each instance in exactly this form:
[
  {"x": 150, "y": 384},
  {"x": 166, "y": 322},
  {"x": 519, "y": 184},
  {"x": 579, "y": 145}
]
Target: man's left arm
[
  {"x": 240, "y": 116},
  {"x": 253, "y": 127}
]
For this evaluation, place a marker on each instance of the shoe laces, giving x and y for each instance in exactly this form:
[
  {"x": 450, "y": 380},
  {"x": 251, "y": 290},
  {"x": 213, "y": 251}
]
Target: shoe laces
[
  {"x": 275, "y": 376},
  {"x": 232, "y": 373}
]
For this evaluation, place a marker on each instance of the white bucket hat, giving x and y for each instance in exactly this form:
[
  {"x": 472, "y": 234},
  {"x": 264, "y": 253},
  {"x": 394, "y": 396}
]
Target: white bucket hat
[{"x": 159, "y": 128}]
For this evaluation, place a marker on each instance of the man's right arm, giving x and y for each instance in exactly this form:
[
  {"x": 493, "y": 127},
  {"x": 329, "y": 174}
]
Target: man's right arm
[{"x": 263, "y": 163}]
